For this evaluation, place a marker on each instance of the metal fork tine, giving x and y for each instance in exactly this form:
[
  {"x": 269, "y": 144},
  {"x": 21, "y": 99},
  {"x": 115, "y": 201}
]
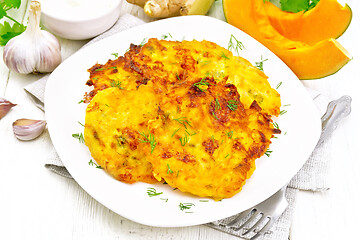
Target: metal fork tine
[
  {"x": 238, "y": 218},
  {"x": 256, "y": 224},
  {"x": 247, "y": 221}
]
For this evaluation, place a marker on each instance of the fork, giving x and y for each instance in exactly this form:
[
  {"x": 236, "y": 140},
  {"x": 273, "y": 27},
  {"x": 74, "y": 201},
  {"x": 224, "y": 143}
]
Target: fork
[
  {"x": 258, "y": 220},
  {"x": 264, "y": 215}
]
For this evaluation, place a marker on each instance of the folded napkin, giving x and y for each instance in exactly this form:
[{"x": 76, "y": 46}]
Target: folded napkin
[{"x": 313, "y": 176}]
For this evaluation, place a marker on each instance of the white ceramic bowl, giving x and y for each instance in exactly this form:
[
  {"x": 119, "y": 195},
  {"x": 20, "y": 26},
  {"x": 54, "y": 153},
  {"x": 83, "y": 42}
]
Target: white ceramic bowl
[{"x": 79, "y": 19}]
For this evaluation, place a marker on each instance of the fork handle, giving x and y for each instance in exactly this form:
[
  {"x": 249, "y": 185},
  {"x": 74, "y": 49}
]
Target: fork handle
[{"x": 336, "y": 110}]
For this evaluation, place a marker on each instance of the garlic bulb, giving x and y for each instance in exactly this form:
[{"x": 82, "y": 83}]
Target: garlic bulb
[
  {"x": 5, "y": 107},
  {"x": 28, "y": 129},
  {"x": 34, "y": 50}
]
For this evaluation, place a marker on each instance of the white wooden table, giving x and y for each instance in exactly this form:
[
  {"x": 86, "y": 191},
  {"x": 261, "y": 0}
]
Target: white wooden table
[{"x": 38, "y": 204}]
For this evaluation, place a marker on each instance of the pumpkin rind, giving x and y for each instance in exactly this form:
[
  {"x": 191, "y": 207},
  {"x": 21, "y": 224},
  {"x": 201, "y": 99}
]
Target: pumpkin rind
[
  {"x": 307, "y": 62},
  {"x": 328, "y": 19}
]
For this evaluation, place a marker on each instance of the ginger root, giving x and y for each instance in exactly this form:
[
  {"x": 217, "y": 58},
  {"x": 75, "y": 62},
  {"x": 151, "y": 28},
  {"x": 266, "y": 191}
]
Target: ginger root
[{"x": 171, "y": 8}]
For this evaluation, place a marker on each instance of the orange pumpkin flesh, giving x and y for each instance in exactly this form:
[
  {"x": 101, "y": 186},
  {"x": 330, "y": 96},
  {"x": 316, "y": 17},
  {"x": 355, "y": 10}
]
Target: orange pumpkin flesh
[
  {"x": 328, "y": 19},
  {"x": 307, "y": 62}
]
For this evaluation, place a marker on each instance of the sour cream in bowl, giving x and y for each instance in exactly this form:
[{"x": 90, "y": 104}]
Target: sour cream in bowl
[{"x": 79, "y": 19}]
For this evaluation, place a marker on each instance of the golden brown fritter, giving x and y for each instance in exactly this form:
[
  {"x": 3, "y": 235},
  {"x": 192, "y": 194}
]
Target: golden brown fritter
[
  {"x": 189, "y": 113},
  {"x": 114, "y": 122}
]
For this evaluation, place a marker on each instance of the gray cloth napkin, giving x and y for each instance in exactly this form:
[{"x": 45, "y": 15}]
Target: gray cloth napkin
[{"x": 313, "y": 176}]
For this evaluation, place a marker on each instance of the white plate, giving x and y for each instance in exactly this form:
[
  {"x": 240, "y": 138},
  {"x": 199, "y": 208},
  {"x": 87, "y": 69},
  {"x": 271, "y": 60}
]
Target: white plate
[{"x": 66, "y": 87}]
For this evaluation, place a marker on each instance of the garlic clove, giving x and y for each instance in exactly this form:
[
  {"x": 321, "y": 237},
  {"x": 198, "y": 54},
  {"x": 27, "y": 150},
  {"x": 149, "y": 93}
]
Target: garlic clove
[
  {"x": 28, "y": 129},
  {"x": 5, "y": 107},
  {"x": 34, "y": 50}
]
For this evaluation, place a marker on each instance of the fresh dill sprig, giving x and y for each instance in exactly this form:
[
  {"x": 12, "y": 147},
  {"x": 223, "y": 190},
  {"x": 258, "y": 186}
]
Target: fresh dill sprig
[
  {"x": 116, "y": 55},
  {"x": 148, "y": 139},
  {"x": 183, "y": 121},
  {"x": 223, "y": 55},
  {"x": 282, "y": 112},
  {"x": 116, "y": 84},
  {"x": 202, "y": 83},
  {"x": 165, "y": 36},
  {"x": 214, "y": 115},
  {"x": 268, "y": 152},
  {"x": 260, "y": 65},
  {"x": 279, "y": 84},
  {"x": 232, "y": 105},
  {"x": 92, "y": 163},
  {"x": 169, "y": 169},
  {"x": 81, "y": 124},
  {"x": 230, "y": 134},
  {"x": 276, "y": 125},
  {"x": 184, "y": 206},
  {"x": 184, "y": 140},
  {"x": 79, "y": 136},
  {"x": 152, "y": 192},
  {"x": 175, "y": 132},
  {"x": 235, "y": 44},
  {"x": 217, "y": 104}
]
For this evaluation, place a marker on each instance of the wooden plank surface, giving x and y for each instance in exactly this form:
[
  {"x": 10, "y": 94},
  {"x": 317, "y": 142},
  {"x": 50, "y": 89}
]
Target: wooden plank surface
[{"x": 38, "y": 204}]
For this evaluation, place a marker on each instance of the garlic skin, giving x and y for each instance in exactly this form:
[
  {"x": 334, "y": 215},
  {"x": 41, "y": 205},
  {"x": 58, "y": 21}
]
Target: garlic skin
[
  {"x": 35, "y": 50},
  {"x": 28, "y": 129},
  {"x": 5, "y": 107}
]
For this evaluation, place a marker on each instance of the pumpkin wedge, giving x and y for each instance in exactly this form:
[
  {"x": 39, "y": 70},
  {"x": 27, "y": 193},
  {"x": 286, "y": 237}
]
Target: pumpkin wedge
[
  {"x": 306, "y": 61},
  {"x": 328, "y": 19}
]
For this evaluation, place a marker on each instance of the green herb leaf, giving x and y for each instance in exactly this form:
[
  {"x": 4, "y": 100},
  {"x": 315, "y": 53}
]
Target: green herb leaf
[
  {"x": 148, "y": 139},
  {"x": 92, "y": 163},
  {"x": 232, "y": 105},
  {"x": 235, "y": 44},
  {"x": 79, "y": 136},
  {"x": 184, "y": 206},
  {"x": 152, "y": 192},
  {"x": 7, "y": 31},
  {"x": 297, "y": 5}
]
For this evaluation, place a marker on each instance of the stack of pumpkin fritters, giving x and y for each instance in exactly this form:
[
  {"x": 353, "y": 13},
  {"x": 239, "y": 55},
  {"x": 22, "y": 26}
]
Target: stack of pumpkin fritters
[{"x": 188, "y": 113}]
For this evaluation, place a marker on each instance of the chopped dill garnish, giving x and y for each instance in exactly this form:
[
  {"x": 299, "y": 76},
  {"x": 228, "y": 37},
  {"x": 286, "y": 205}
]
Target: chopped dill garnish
[
  {"x": 268, "y": 152},
  {"x": 214, "y": 115},
  {"x": 202, "y": 200},
  {"x": 183, "y": 121},
  {"x": 116, "y": 55},
  {"x": 191, "y": 134},
  {"x": 169, "y": 169},
  {"x": 202, "y": 83},
  {"x": 232, "y": 105},
  {"x": 148, "y": 139},
  {"x": 143, "y": 42},
  {"x": 92, "y": 163},
  {"x": 81, "y": 101},
  {"x": 276, "y": 125},
  {"x": 230, "y": 134},
  {"x": 165, "y": 36},
  {"x": 223, "y": 55},
  {"x": 217, "y": 104},
  {"x": 99, "y": 69},
  {"x": 184, "y": 140},
  {"x": 235, "y": 44},
  {"x": 177, "y": 76},
  {"x": 81, "y": 124},
  {"x": 260, "y": 65},
  {"x": 227, "y": 155},
  {"x": 79, "y": 136},
  {"x": 165, "y": 199},
  {"x": 279, "y": 84},
  {"x": 175, "y": 132},
  {"x": 205, "y": 63},
  {"x": 184, "y": 206},
  {"x": 116, "y": 84},
  {"x": 282, "y": 112},
  {"x": 112, "y": 68},
  {"x": 152, "y": 192}
]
